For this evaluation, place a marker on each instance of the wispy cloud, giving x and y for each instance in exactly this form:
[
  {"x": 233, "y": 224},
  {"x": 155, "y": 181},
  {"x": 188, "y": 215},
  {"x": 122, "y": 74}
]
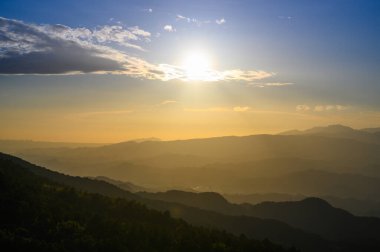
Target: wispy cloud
[
  {"x": 302, "y": 107},
  {"x": 219, "y": 109},
  {"x": 210, "y": 75},
  {"x": 168, "y": 102},
  {"x": 197, "y": 21},
  {"x": 220, "y": 21},
  {"x": 114, "y": 33},
  {"x": 322, "y": 108},
  {"x": 270, "y": 84},
  {"x": 169, "y": 28},
  {"x": 139, "y": 32},
  {"x": 241, "y": 109},
  {"x": 191, "y": 20},
  {"x": 180, "y": 17},
  {"x": 238, "y": 74},
  {"x": 57, "y": 49}
]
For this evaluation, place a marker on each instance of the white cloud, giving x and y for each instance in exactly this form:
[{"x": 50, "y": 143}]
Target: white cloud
[
  {"x": 302, "y": 107},
  {"x": 53, "y": 49},
  {"x": 191, "y": 20},
  {"x": 241, "y": 109},
  {"x": 117, "y": 34},
  {"x": 323, "y": 108},
  {"x": 270, "y": 84},
  {"x": 149, "y": 10},
  {"x": 220, "y": 21},
  {"x": 57, "y": 49},
  {"x": 139, "y": 32},
  {"x": 341, "y": 107},
  {"x": 197, "y": 21},
  {"x": 169, "y": 28},
  {"x": 250, "y": 75},
  {"x": 180, "y": 17}
]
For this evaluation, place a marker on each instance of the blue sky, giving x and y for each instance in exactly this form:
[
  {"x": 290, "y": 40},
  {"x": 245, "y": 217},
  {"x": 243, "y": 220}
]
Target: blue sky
[{"x": 307, "y": 62}]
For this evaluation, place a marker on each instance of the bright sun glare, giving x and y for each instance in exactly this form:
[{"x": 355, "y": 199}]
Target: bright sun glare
[{"x": 197, "y": 66}]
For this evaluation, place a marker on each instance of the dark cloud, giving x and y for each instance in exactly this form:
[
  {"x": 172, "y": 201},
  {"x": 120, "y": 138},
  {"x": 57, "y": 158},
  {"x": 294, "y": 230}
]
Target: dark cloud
[
  {"x": 31, "y": 49},
  {"x": 58, "y": 49},
  {"x": 58, "y": 60}
]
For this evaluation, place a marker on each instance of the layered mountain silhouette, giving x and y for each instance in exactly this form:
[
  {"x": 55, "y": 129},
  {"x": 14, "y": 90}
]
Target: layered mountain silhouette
[
  {"x": 340, "y": 131},
  {"x": 201, "y": 213},
  {"x": 333, "y": 162},
  {"x": 358, "y": 207},
  {"x": 311, "y": 214},
  {"x": 38, "y": 214},
  {"x": 251, "y": 227},
  {"x": 128, "y": 186},
  {"x": 14, "y": 146}
]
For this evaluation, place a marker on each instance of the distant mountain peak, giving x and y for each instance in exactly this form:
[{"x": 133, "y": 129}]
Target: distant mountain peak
[
  {"x": 333, "y": 128},
  {"x": 149, "y": 139},
  {"x": 336, "y": 128},
  {"x": 371, "y": 135},
  {"x": 315, "y": 202},
  {"x": 208, "y": 196}
]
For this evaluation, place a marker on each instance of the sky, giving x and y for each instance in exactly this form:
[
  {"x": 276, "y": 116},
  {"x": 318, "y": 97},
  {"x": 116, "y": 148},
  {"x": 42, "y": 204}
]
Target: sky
[{"x": 111, "y": 71}]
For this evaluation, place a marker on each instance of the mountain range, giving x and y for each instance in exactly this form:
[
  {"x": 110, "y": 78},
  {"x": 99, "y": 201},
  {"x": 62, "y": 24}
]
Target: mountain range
[
  {"x": 320, "y": 227},
  {"x": 39, "y": 214}
]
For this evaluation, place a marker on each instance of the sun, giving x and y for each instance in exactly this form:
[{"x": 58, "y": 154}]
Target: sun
[{"x": 197, "y": 66}]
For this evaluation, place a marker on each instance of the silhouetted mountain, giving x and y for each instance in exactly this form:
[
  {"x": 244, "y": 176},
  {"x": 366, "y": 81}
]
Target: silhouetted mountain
[
  {"x": 250, "y": 226},
  {"x": 257, "y": 228},
  {"x": 40, "y": 215},
  {"x": 173, "y": 161},
  {"x": 371, "y": 130},
  {"x": 255, "y": 198},
  {"x": 140, "y": 140},
  {"x": 229, "y": 149},
  {"x": 128, "y": 186},
  {"x": 80, "y": 183},
  {"x": 318, "y": 216},
  {"x": 340, "y": 131},
  {"x": 311, "y": 214},
  {"x": 316, "y": 182},
  {"x": 15, "y": 146},
  {"x": 207, "y": 200},
  {"x": 358, "y": 207},
  {"x": 207, "y": 164},
  {"x": 233, "y": 178}
]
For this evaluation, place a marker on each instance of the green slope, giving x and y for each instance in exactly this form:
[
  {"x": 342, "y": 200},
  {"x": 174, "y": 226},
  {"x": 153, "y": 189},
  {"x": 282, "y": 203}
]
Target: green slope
[{"x": 40, "y": 215}]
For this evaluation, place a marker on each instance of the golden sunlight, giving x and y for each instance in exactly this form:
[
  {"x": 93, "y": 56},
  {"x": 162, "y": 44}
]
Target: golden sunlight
[{"x": 197, "y": 66}]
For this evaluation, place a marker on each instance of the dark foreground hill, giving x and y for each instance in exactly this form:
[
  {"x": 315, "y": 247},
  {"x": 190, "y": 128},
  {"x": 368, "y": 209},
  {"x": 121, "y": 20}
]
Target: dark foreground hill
[
  {"x": 80, "y": 205},
  {"x": 311, "y": 214},
  {"x": 251, "y": 227},
  {"x": 40, "y": 215}
]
